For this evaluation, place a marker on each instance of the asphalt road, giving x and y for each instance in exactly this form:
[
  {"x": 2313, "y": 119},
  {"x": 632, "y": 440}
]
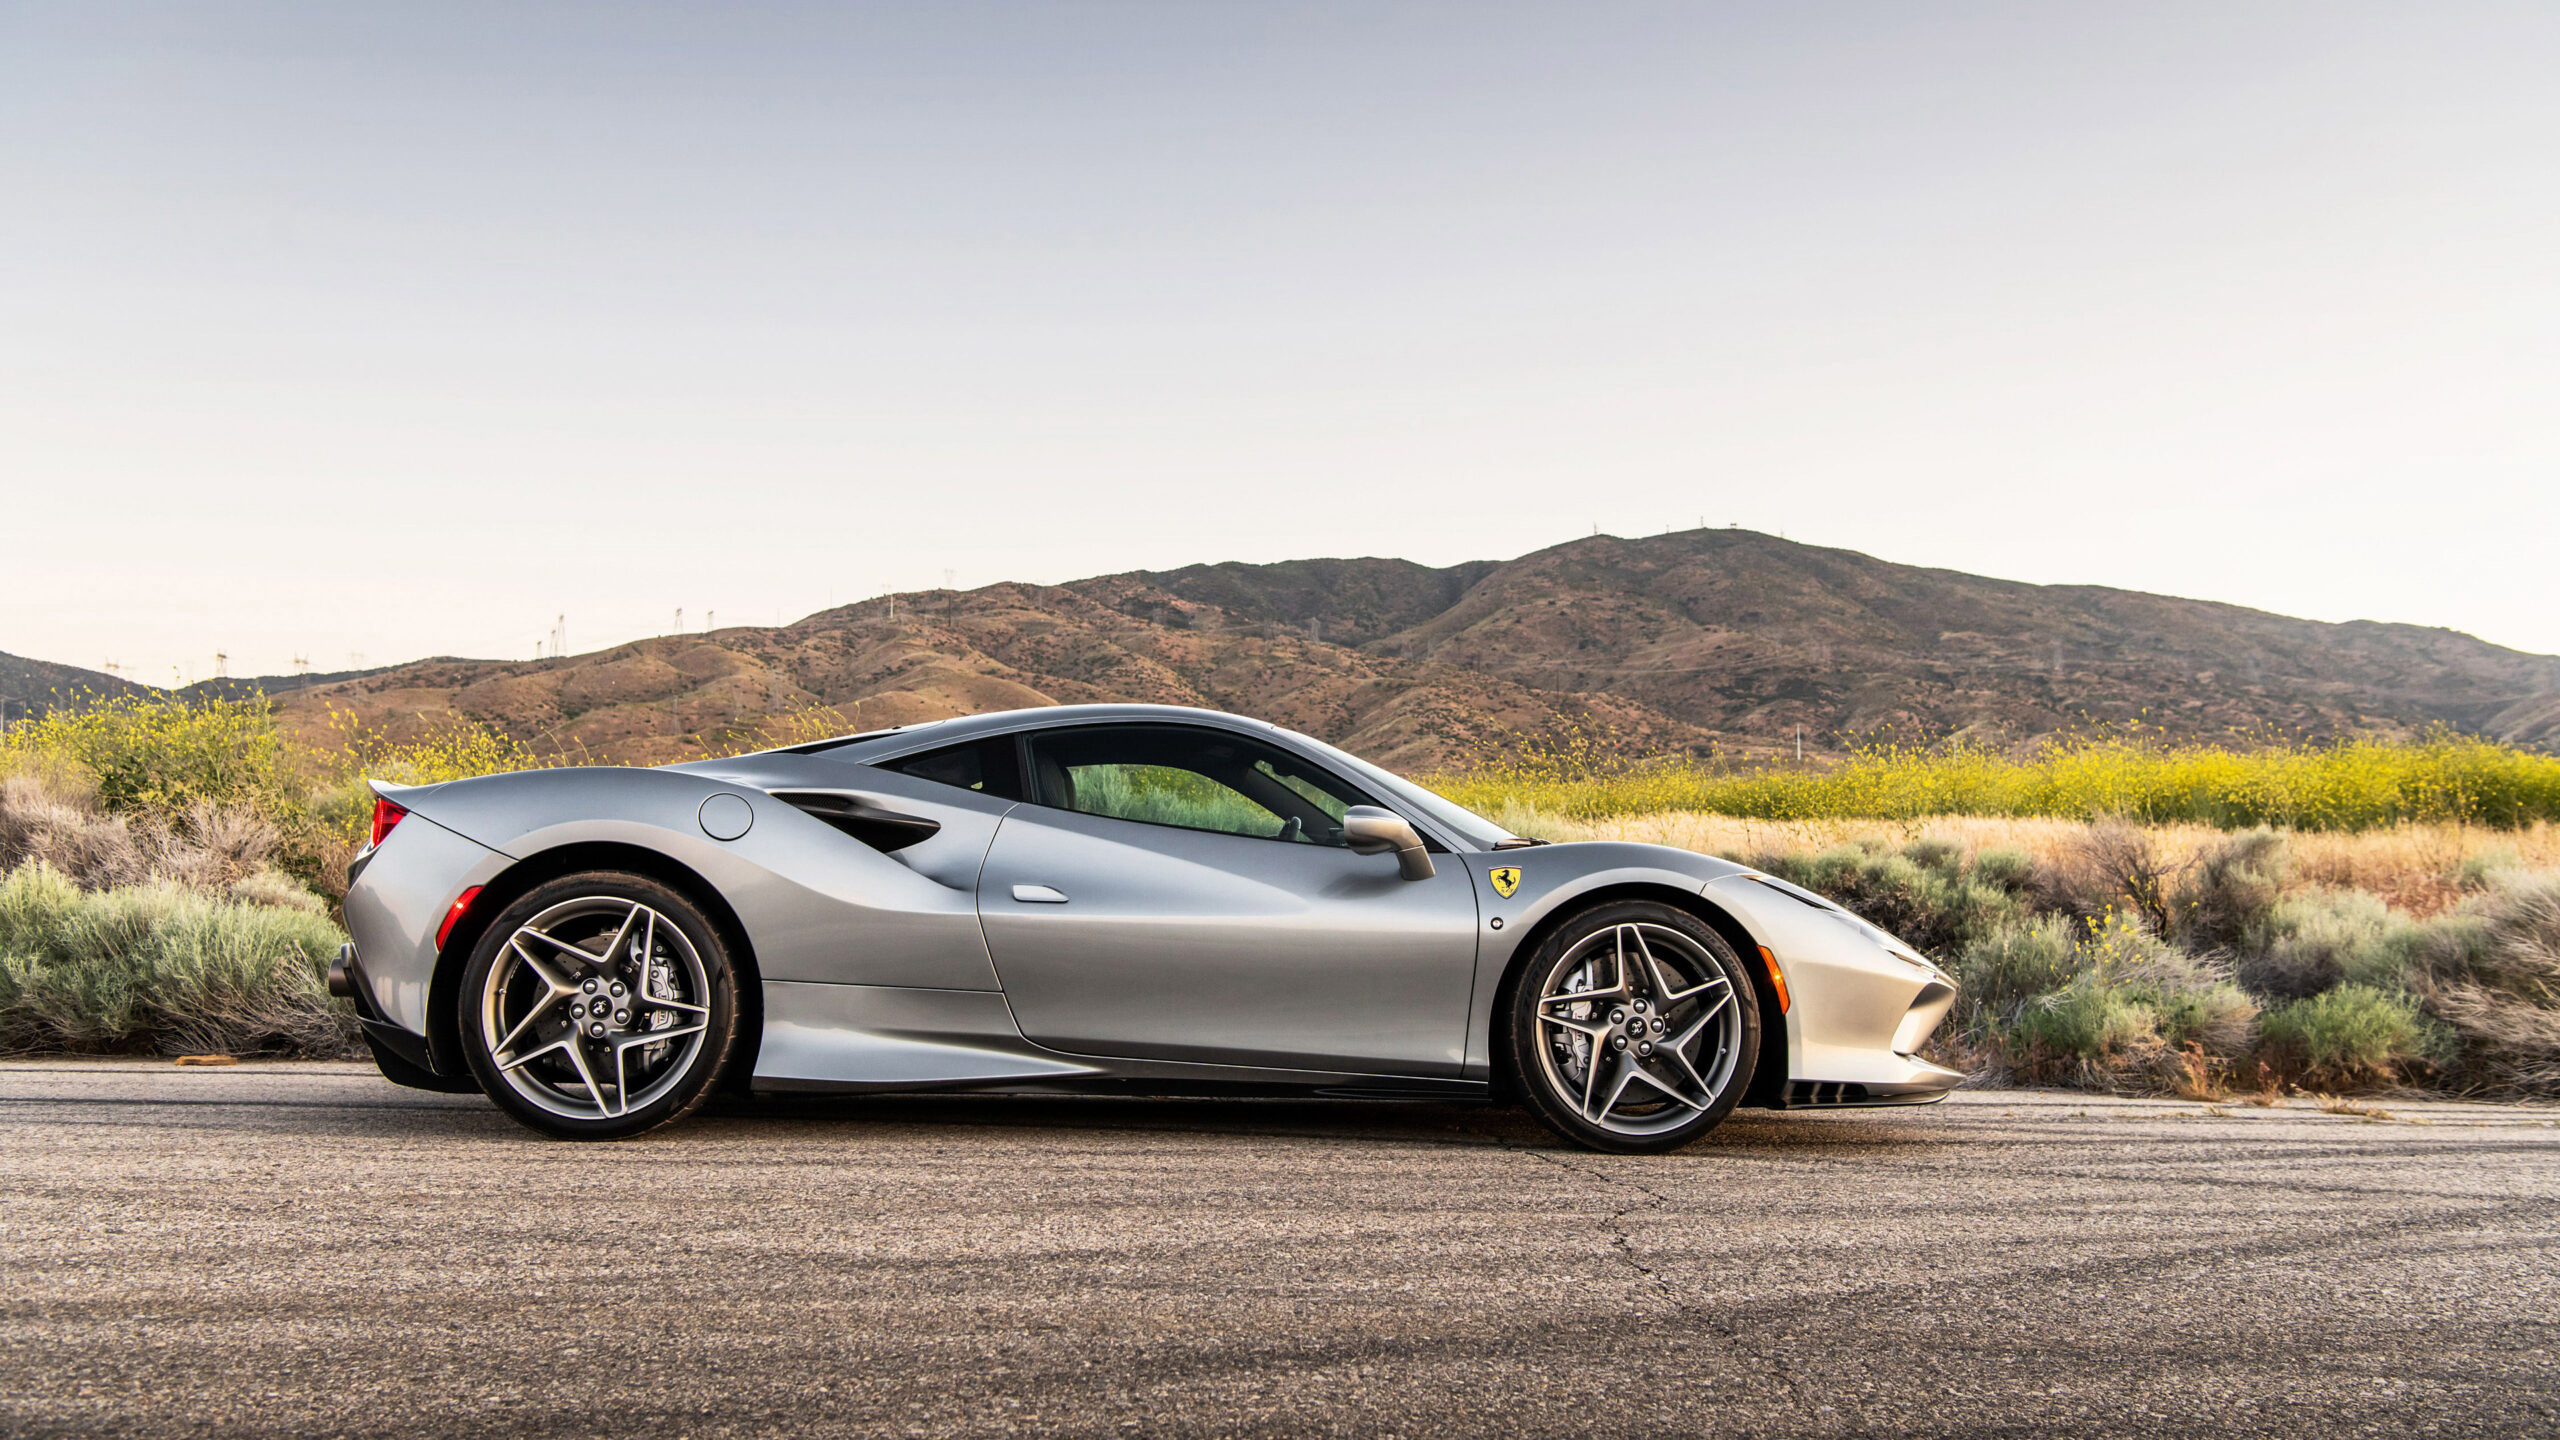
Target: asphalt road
[{"x": 307, "y": 1250}]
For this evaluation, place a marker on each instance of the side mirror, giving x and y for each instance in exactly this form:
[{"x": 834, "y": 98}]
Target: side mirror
[{"x": 1369, "y": 830}]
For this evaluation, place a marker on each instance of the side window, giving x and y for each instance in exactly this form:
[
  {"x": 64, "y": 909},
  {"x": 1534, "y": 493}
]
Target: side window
[
  {"x": 1194, "y": 778},
  {"x": 986, "y": 766}
]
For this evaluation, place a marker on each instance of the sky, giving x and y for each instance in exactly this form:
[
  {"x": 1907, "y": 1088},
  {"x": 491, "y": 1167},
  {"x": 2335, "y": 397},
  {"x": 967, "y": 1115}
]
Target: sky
[{"x": 360, "y": 333}]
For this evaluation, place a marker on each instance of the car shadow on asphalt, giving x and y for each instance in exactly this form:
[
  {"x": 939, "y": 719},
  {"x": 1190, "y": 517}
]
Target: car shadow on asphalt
[{"x": 1397, "y": 1122}]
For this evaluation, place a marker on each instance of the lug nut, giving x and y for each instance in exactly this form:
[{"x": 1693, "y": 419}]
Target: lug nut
[
  {"x": 590, "y": 986},
  {"x": 1645, "y": 1049},
  {"x": 617, "y": 990},
  {"x": 1617, "y": 1017},
  {"x": 1618, "y": 1042},
  {"x": 621, "y": 1017}
]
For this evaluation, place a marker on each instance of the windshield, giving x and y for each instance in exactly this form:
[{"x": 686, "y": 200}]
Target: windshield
[{"x": 1448, "y": 814}]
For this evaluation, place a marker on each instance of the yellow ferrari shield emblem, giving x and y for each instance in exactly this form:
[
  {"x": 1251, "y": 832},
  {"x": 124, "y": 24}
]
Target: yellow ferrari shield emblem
[{"x": 1506, "y": 880}]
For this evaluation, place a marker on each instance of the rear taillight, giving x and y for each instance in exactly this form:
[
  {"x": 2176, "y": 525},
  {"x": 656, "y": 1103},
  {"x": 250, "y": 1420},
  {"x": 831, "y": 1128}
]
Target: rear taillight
[{"x": 385, "y": 815}]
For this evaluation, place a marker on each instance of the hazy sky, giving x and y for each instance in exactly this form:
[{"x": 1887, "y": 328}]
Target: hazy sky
[{"x": 340, "y": 329}]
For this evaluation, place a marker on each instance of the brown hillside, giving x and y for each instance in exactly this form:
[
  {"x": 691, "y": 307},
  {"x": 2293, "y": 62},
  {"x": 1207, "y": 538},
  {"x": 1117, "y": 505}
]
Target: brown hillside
[
  {"x": 1746, "y": 634},
  {"x": 1723, "y": 639},
  {"x": 1004, "y": 646}
]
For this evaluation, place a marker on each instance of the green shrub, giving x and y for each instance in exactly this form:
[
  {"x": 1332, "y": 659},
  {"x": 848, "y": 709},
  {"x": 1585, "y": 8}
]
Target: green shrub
[
  {"x": 1925, "y": 893},
  {"x": 2321, "y": 938},
  {"x": 2135, "y": 1013},
  {"x": 2011, "y": 872},
  {"x": 2008, "y": 966},
  {"x": 2227, "y": 897},
  {"x": 162, "y": 967},
  {"x": 2488, "y": 868},
  {"x": 2353, "y": 1037},
  {"x": 2086, "y": 1026},
  {"x": 2491, "y": 971}
]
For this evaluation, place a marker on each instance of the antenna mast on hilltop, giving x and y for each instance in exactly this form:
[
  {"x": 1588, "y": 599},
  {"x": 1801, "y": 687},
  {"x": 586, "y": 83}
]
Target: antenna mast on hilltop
[
  {"x": 301, "y": 664},
  {"x": 221, "y": 665}
]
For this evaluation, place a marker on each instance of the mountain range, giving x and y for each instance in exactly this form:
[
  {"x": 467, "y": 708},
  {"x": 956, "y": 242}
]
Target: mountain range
[{"x": 1704, "y": 641}]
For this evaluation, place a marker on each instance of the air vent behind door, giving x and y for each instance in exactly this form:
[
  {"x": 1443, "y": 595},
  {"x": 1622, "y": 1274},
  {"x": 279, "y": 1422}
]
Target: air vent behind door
[{"x": 862, "y": 817}]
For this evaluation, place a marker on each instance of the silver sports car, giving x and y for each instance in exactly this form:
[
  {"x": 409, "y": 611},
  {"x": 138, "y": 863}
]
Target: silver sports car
[{"x": 1116, "y": 897}]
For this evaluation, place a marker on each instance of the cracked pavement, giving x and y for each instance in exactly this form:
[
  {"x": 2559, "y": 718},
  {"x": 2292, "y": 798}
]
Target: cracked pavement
[{"x": 305, "y": 1249}]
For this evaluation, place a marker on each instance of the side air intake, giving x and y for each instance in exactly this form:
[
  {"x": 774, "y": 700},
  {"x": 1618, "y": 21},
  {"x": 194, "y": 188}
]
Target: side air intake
[{"x": 862, "y": 817}]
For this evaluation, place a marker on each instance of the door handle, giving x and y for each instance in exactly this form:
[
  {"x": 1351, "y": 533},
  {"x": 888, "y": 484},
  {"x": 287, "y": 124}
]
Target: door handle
[{"x": 1038, "y": 895}]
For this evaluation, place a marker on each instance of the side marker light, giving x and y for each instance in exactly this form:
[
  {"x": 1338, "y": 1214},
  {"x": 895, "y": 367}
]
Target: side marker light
[
  {"x": 462, "y": 905},
  {"x": 1777, "y": 979}
]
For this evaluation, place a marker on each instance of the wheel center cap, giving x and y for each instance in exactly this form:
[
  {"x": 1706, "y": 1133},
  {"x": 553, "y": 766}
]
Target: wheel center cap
[{"x": 602, "y": 1007}]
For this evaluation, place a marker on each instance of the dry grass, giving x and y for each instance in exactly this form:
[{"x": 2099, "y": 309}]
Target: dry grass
[{"x": 2422, "y": 869}]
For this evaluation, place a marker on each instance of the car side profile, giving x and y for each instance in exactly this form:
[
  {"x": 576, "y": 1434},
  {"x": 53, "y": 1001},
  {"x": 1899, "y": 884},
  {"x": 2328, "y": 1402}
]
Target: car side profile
[{"x": 1128, "y": 898}]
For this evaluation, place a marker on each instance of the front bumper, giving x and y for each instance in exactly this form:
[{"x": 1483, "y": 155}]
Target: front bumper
[{"x": 1927, "y": 1085}]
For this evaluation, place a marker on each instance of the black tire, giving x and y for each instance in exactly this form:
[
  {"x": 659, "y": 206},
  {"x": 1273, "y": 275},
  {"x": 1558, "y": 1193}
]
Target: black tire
[
  {"x": 400, "y": 1071},
  {"x": 1546, "y": 1053},
  {"x": 570, "y": 1075}
]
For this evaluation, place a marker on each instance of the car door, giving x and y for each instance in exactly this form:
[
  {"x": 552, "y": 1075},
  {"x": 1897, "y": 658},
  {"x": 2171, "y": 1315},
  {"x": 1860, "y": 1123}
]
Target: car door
[{"x": 1182, "y": 893}]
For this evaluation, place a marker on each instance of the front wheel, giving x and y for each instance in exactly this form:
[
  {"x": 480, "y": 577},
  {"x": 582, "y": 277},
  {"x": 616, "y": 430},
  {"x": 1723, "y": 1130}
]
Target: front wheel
[
  {"x": 599, "y": 1006},
  {"x": 1632, "y": 1028}
]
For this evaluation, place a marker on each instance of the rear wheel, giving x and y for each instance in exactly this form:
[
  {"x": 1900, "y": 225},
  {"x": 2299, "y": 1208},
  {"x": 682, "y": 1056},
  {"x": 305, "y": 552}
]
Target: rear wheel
[
  {"x": 1632, "y": 1028},
  {"x": 599, "y": 1006}
]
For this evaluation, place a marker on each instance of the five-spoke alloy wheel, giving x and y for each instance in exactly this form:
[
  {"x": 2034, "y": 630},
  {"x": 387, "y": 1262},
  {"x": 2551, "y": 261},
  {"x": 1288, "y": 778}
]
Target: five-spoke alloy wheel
[
  {"x": 598, "y": 1006},
  {"x": 1632, "y": 1027}
]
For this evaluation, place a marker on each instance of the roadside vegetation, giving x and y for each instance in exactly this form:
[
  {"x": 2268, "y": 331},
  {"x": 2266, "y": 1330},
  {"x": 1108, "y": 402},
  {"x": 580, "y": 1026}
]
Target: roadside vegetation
[
  {"x": 2117, "y": 776},
  {"x": 2188, "y": 960},
  {"x": 2127, "y": 917}
]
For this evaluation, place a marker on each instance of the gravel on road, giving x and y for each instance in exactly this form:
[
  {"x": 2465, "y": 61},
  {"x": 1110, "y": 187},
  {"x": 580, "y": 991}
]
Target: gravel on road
[{"x": 307, "y": 1250}]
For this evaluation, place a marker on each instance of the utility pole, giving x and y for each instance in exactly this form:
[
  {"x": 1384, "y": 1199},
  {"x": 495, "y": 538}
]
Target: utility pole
[{"x": 221, "y": 665}]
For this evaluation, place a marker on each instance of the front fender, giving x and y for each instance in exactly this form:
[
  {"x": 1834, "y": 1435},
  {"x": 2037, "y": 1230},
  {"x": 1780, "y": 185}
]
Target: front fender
[{"x": 1553, "y": 879}]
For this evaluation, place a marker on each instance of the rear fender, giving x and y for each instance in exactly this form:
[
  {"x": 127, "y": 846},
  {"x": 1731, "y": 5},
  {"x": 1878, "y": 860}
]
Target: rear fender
[{"x": 814, "y": 903}]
